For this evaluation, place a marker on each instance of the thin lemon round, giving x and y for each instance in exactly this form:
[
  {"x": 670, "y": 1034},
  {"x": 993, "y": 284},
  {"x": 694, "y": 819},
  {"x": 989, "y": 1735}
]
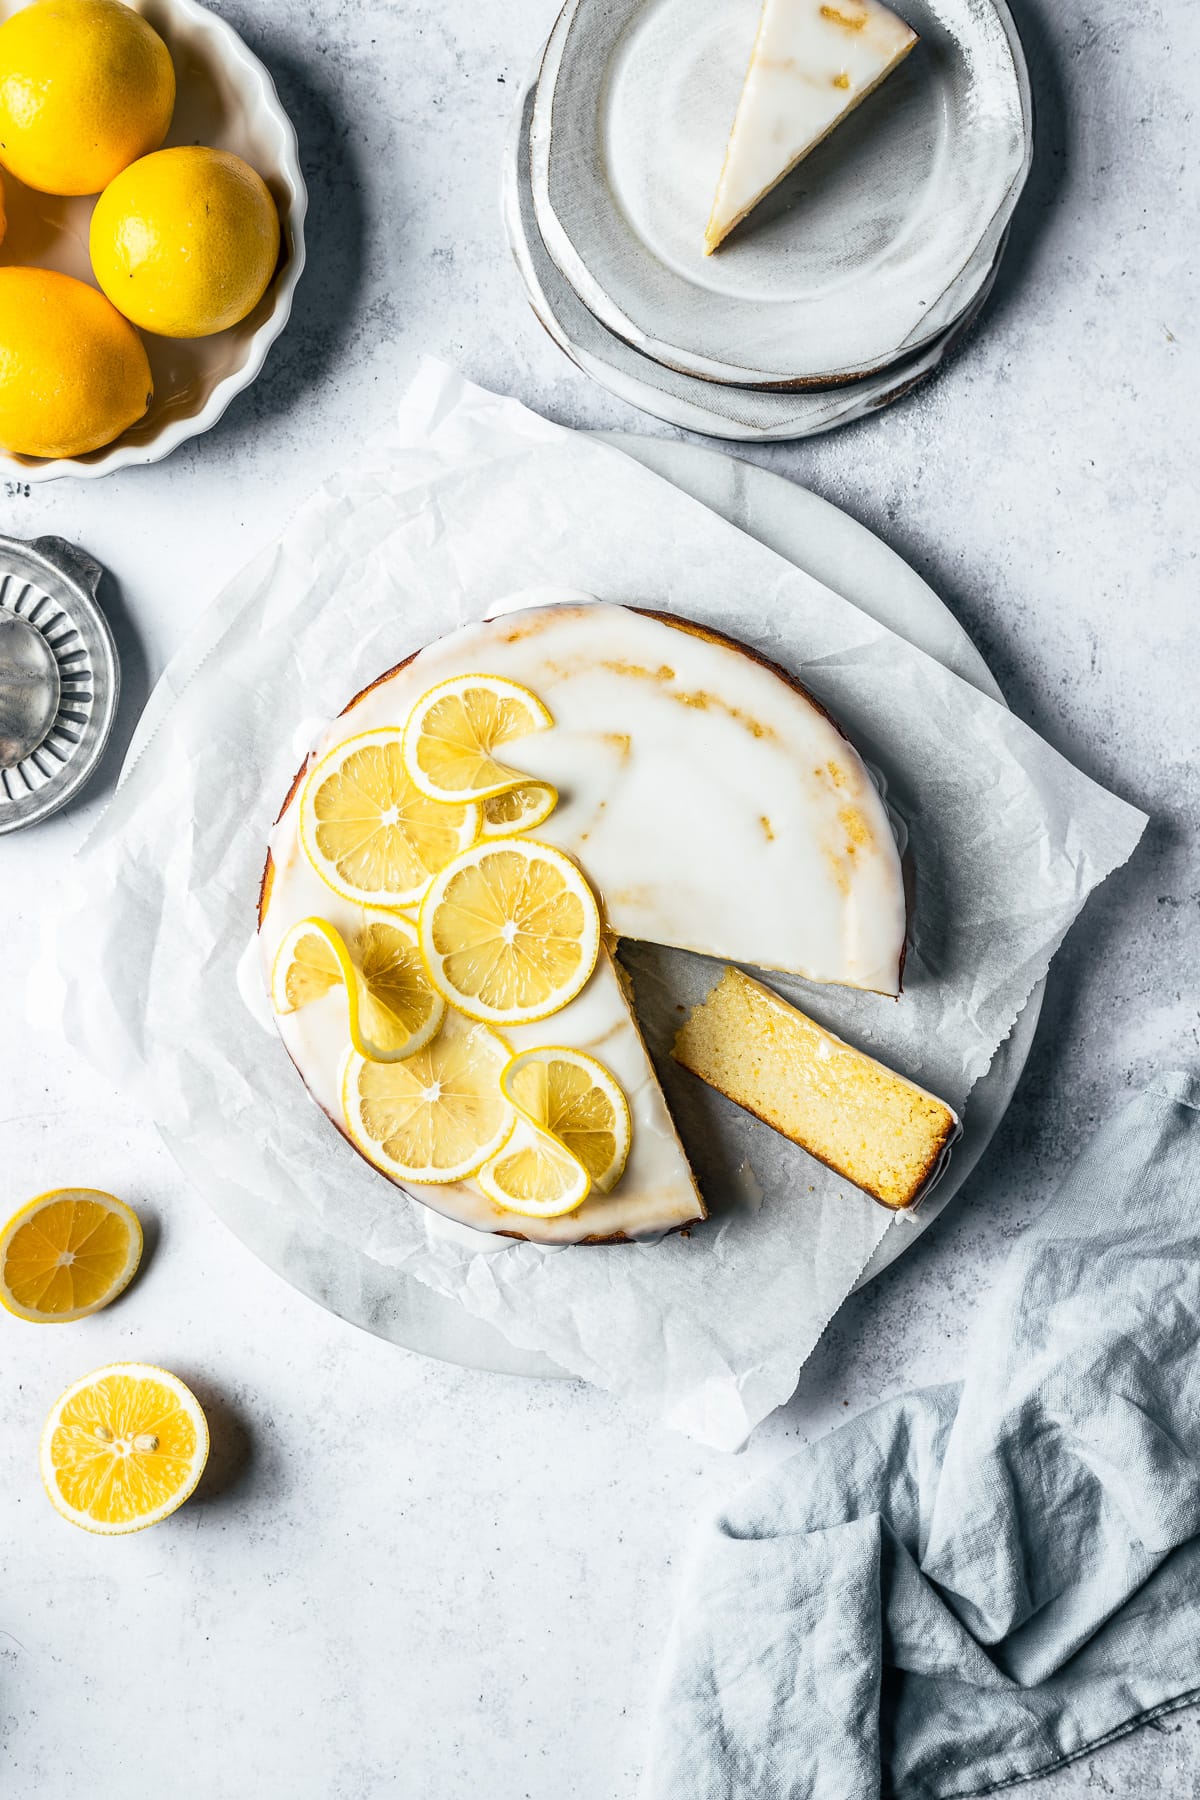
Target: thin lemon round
[
  {"x": 67, "y": 1254},
  {"x": 123, "y": 1448},
  {"x": 535, "y": 1176},
  {"x": 510, "y": 931},
  {"x": 438, "y": 1116},
  {"x": 392, "y": 1008},
  {"x": 368, "y": 832},
  {"x": 518, "y": 809},
  {"x": 577, "y": 1100},
  {"x": 454, "y": 731}
]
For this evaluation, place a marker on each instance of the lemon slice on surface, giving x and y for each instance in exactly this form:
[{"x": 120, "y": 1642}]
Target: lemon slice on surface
[
  {"x": 368, "y": 832},
  {"x": 535, "y": 1176},
  {"x": 67, "y": 1254},
  {"x": 518, "y": 809},
  {"x": 575, "y": 1099},
  {"x": 393, "y": 1008},
  {"x": 436, "y": 1117},
  {"x": 454, "y": 731},
  {"x": 510, "y": 931},
  {"x": 122, "y": 1448}
]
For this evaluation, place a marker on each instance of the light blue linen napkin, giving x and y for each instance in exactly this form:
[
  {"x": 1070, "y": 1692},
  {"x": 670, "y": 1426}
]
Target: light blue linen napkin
[{"x": 977, "y": 1582}]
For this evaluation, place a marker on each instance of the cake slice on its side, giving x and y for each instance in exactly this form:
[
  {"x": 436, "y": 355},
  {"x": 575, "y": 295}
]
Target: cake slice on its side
[
  {"x": 811, "y": 65},
  {"x": 883, "y": 1133}
]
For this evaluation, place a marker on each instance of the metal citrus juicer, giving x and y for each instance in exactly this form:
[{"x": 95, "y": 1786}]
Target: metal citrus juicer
[{"x": 59, "y": 677}]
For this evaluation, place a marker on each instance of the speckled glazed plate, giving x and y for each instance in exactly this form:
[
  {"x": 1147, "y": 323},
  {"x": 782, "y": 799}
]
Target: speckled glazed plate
[
  {"x": 870, "y": 250},
  {"x": 736, "y": 414},
  {"x": 836, "y": 550}
]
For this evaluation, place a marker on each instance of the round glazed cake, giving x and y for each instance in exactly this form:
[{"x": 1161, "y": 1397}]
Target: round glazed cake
[{"x": 711, "y": 804}]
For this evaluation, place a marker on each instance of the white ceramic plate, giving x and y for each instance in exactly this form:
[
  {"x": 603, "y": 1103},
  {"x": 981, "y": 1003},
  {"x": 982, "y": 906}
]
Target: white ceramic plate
[
  {"x": 834, "y": 548},
  {"x": 870, "y": 250},
  {"x": 738, "y": 414},
  {"x": 225, "y": 99}
]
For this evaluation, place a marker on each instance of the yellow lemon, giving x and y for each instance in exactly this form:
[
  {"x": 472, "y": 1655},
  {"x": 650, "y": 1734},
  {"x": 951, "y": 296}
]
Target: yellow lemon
[
  {"x": 73, "y": 372},
  {"x": 3, "y": 214},
  {"x": 122, "y": 1448},
  {"x": 86, "y": 87},
  {"x": 185, "y": 242},
  {"x": 67, "y": 1254}
]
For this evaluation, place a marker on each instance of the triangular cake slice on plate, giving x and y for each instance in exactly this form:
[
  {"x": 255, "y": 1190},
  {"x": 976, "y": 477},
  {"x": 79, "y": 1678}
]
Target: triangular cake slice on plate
[{"x": 811, "y": 65}]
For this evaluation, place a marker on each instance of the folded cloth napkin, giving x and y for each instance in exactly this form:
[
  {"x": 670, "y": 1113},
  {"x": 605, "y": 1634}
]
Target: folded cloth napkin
[{"x": 975, "y": 1583}]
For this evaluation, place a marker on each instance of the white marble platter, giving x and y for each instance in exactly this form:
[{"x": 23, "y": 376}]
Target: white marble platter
[
  {"x": 736, "y": 414},
  {"x": 877, "y": 244},
  {"x": 843, "y": 554}
]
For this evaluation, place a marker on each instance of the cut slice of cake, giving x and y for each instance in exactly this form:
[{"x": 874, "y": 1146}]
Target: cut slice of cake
[
  {"x": 883, "y": 1133},
  {"x": 811, "y": 65}
]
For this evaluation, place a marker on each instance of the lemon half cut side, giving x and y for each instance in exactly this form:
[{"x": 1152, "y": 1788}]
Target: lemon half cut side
[{"x": 123, "y": 1448}]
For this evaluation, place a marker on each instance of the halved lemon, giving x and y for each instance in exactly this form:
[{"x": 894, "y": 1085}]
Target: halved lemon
[
  {"x": 510, "y": 931},
  {"x": 393, "y": 1008},
  {"x": 368, "y": 832},
  {"x": 436, "y": 1117},
  {"x": 67, "y": 1254},
  {"x": 534, "y": 1175},
  {"x": 123, "y": 1448},
  {"x": 575, "y": 1099},
  {"x": 454, "y": 731},
  {"x": 518, "y": 809}
]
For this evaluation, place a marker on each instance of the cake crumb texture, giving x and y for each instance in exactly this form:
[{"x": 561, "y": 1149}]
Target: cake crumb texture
[{"x": 883, "y": 1133}]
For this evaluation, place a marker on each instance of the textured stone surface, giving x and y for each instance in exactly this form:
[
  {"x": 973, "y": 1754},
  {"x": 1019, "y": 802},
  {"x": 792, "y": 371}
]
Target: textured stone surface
[{"x": 407, "y": 1579}]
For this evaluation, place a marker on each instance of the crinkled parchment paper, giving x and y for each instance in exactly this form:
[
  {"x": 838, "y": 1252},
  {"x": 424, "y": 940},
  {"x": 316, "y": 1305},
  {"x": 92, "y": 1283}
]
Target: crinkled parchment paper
[{"x": 468, "y": 499}]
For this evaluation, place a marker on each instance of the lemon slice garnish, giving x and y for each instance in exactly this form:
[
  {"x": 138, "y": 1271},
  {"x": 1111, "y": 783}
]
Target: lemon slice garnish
[
  {"x": 393, "y": 1008},
  {"x": 368, "y": 832},
  {"x": 455, "y": 730},
  {"x": 535, "y": 1175},
  {"x": 67, "y": 1254},
  {"x": 518, "y": 809},
  {"x": 575, "y": 1099},
  {"x": 436, "y": 1117},
  {"x": 510, "y": 931},
  {"x": 123, "y": 1448}
]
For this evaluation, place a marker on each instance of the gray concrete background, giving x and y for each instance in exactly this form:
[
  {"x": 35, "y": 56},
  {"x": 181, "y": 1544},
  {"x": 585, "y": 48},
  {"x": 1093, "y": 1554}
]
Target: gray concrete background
[{"x": 406, "y": 1579}]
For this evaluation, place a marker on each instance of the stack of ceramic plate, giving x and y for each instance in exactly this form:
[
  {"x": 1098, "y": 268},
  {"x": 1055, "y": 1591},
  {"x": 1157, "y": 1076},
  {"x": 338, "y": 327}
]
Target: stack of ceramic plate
[{"x": 839, "y": 293}]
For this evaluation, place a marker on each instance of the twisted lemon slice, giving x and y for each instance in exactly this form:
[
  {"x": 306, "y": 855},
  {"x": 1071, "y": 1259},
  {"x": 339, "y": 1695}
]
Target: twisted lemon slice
[
  {"x": 454, "y": 731},
  {"x": 67, "y": 1254},
  {"x": 439, "y": 1115},
  {"x": 510, "y": 931},
  {"x": 535, "y": 1175},
  {"x": 368, "y": 832},
  {"x": 122, "y": 1448},
  {"x": 393, "y": 1009},
  {"x": 575, "y": 1099}
]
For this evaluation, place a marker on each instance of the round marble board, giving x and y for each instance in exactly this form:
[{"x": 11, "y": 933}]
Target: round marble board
[{"x": 834, "y": 548}]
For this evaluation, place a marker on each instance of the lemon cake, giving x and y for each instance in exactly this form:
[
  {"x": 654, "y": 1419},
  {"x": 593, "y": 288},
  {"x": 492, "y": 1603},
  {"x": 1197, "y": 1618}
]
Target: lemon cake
[
  {"x": 448, "y": 875},
  {"x": 883, "y": 1133},
  {"x": 811, "y": 65}
]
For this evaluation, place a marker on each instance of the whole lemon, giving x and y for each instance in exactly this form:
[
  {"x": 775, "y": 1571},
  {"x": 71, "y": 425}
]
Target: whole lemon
[
  {"x": 86, "y": 87},
  {"x": 185, "y": 241},
  {"x": 73, "y": 372}
]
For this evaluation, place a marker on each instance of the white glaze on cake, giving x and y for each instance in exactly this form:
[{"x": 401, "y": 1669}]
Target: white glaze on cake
[{"x": 712, "y": 805}]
